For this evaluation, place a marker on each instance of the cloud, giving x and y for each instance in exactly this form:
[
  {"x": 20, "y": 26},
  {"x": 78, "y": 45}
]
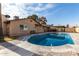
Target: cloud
[
  {"x": 53, "y": 12},
  {"x": 13, "y": 9},
  {"x": 13, "y": 1},
  {"x": 10, "y": 10},
  {"x": 40, "y": 7},
  {"x": 25, "y": 9}
]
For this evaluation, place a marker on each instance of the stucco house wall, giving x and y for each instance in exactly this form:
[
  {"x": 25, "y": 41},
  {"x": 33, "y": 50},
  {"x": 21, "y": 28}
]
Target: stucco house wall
[
  {"x": 69, "y": 29},
  {"x": 77, "y": 29},
  {"x": 39, "y": 29},
  {"x": 3, "y": 24},
  {"x": 14, "y": 27}
]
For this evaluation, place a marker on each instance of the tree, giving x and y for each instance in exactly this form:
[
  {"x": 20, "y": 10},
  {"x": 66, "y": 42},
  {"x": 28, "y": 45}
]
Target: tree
[
  {"x": 29, "y": 17},
  {"x": 35, "y": 17},
  {"x": 43, "y": 20},
  {"x": 16, "y": 17},
  {"x": 7, "y": 16}
]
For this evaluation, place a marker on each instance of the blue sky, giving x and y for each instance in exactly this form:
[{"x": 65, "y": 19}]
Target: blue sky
[{"x": 56, "y": 14}]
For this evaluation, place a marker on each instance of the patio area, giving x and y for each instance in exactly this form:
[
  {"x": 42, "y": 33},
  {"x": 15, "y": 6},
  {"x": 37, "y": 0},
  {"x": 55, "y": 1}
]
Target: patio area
[
  {"x": 21, "y": 47},
  {"x": 15, "y": 48}
]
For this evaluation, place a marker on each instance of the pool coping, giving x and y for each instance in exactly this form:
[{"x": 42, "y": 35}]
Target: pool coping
[
  {"x": 64, "y": 50},
  {"x": 51, "y": 49}
]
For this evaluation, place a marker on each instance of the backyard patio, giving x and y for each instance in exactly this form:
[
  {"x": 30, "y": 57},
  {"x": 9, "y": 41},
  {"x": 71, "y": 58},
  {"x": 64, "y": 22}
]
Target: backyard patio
[{"x": 20, "y": 47}]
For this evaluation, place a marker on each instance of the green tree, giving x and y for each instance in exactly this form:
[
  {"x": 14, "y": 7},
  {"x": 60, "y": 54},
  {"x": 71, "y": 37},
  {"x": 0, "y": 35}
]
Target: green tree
[
  {"x": 34, "y": 17},
  {"x": 43, "y": 19},
  {"x": 29, "y": 17},
  {"x": 16, "y": 17}
]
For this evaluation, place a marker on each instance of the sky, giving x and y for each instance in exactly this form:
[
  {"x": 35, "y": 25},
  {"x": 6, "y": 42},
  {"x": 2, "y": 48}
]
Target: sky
[{"x": 56, "y": 13}]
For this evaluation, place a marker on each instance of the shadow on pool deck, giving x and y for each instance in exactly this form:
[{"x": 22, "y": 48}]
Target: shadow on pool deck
[{"x": 18, "y": 50}]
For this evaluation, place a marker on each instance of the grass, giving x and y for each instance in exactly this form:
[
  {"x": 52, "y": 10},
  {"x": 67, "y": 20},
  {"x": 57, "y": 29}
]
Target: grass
[
  {"x": 2, "y": 40},
  {"x": 5, "y": 39}
]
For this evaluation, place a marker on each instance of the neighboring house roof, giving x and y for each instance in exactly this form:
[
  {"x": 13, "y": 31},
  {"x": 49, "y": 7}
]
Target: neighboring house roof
[{"x": 58, "y": 26}]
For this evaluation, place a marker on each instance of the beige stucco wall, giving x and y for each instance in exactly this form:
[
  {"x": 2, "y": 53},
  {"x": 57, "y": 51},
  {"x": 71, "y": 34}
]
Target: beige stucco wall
[
  {"x": 69, "y": 29},
  {"x": 3, "y": 24},
  {"x": 39, "y": 29},
  {"x": 77, "y": 29},
  {"x": 14, "y": 29},
  {"x": 58, "y": 29}
]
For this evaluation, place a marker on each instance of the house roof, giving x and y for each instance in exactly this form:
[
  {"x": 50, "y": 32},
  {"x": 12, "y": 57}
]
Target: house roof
[
  {"x": 58, "y": 26},
  {"x": 21, "y": 19},
  {"x": 8, "y": 21}
]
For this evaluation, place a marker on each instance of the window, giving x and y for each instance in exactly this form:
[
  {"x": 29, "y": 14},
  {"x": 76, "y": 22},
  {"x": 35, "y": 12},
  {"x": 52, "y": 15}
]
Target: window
[
  {"x": 23, "y": 27},
  {"x": 30, "y": 20}
]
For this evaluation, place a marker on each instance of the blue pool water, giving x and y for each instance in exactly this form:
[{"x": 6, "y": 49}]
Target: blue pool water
[{"x": 51, "y": 39}]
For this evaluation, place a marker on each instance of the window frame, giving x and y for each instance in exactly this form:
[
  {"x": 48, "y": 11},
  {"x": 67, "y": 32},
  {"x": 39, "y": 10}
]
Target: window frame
[{"x": 23, "y": 27}]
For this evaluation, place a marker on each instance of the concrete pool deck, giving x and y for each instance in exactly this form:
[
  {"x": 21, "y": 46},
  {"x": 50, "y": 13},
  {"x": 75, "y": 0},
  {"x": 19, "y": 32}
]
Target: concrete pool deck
[{"x": 21, "y": 47}]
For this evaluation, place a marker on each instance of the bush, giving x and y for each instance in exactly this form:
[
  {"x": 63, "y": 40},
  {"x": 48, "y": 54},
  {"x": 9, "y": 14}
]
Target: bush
[
  {"x": 2, "y": 40},
  {"x": 32, "y": 32}
]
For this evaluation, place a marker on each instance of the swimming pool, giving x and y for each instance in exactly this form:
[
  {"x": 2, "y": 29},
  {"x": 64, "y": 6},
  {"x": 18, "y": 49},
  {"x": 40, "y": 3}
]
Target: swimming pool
[{"x": 51, "y": 39}]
